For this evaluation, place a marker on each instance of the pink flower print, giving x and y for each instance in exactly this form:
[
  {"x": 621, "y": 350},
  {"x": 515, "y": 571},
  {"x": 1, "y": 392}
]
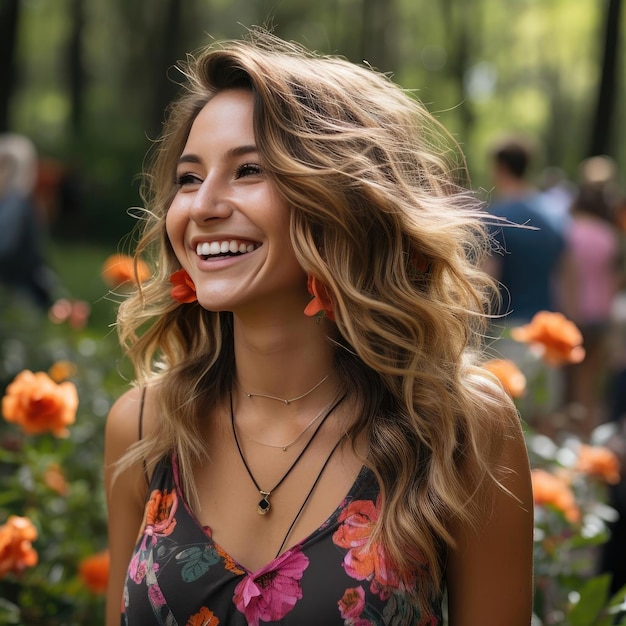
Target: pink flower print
[
  {"x": 352, "y": 603},
  {"x": 271, "y": 592},
  {"x": 137, "y": 570},
  {"x": 156, "y": 595},
  {"x": 138, "y": 564}
]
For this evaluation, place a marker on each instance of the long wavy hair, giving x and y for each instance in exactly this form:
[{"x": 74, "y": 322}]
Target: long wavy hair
[{"x": 380, "y": 215}]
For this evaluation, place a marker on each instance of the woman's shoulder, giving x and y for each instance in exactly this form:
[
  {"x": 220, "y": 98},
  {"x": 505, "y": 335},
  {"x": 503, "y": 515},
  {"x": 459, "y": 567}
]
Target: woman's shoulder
[
  {"x": 134, "y": 410},
  {"x": 131, "y": 418}
]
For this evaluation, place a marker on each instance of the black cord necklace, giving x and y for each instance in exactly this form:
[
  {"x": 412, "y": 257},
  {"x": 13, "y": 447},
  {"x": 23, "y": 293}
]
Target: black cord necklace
[{"x": 264, "y": 506}]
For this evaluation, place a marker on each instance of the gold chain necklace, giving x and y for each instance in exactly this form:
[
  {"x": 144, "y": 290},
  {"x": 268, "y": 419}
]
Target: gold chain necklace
[
  {"x": 290, "y": 400},
  {"x": 264, "y": 506},
  {"x": 286, "y": 446}
]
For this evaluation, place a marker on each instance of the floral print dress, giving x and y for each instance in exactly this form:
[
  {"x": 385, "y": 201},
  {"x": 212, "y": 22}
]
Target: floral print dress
[{"x": 179, "y": 576}]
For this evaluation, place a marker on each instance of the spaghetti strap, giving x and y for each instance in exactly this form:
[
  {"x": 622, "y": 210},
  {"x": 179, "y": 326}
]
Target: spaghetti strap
[{"x": 140, "y": 433}]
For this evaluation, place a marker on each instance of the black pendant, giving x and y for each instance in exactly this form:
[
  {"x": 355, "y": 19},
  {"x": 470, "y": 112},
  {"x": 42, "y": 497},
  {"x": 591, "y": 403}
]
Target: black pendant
[{"x": 263, "y": 508}]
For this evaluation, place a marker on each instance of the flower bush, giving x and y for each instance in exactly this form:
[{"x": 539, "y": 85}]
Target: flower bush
[
  {"x": 569, "y": 478},
  {"x": 58, "y": 379}
]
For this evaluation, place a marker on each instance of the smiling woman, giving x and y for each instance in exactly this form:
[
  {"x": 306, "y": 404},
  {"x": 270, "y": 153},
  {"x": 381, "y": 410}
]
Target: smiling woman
[{"x": 310, "y": 438}]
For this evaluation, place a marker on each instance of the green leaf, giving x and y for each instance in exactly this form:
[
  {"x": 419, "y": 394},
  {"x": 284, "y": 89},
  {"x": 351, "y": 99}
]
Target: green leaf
[
  {"x": 618, "y": 598},
  {"x": 593, "y": 598},
  {"x": 9, "y": 612}
]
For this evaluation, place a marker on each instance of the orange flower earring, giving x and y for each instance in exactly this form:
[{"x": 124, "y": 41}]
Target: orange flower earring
[
  {"x": 321, "y": 302},
  {"x": 183, "y": 289}
]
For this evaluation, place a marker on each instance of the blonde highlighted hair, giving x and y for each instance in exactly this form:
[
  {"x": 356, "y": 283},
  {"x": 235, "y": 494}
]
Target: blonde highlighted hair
[{"x": 377, "y": 215}]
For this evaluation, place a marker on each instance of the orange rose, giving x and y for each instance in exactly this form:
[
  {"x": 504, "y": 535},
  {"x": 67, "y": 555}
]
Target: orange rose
[
  {"x": 119, "y": 269},
  {"x": 509, "y": 375},
  {"x": 38, "y": 405},
  {"x": 54, "y": 479},
  {"x": 94, "y": 571},
  {"x": 16, "y": 549},
  {"x": 558, "y": 340},
  {"x": 600, "y": 462},
  {"x": 549, "y": 489}
]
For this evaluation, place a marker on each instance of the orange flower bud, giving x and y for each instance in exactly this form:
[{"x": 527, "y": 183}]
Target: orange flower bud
[
  {"x": 62, "y": 370},
  {"x": 54, "y": 479},
  {"x": 600, "y": 462},
  {"x": 509, "y": 375},
  {"x": 552, "y": 490},
  {"x": 94, "y": 571},
  {"x": 16, "y": 550},
  {"x": 37, "y": 404},
  {"x": 557, "y": 338},
  {"x": 119, "y": 269}
]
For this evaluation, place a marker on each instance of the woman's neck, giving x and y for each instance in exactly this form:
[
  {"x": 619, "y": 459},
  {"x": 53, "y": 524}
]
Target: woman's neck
[{"x": 283, "y": 360}]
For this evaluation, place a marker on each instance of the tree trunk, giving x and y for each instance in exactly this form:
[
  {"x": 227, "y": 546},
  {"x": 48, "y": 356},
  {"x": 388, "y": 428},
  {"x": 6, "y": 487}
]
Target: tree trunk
[
  {"x": 167, "y": 52},
  {"x": 378, "y": 34},
  {"x": 601, "y": 140},
  {"x": 9, "y": 18},
  {"x": 76, "y": 70}
]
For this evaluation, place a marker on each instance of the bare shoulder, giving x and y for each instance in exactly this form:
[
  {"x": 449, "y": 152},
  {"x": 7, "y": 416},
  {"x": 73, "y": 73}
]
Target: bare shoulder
[
  {"x": 491, "y": 565},
  {"x": 132, "y": 416},
  {"x": 122, "y": 425},
  {"x": 126, "y": 486}
]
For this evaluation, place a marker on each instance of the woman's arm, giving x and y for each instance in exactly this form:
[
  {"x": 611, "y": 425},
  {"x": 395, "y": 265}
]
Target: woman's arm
[
  {"x": 125, "y": 496},
  {"x": 489, "y": 574}
]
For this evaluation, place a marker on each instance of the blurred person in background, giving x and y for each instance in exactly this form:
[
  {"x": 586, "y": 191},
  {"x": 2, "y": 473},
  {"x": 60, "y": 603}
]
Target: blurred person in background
[
  {"x": 23, "y": 270},
  {"x": 612, "y": 554},
  {"x": 526, "y": 259},
  {"x": 588, "y": 288},
  {"x": 557, "y": 194}
]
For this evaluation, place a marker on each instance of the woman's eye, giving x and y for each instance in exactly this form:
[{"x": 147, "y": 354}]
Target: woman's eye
[
  {"x": 187, "y": 179},
  {"x": 248, "y": 169}
]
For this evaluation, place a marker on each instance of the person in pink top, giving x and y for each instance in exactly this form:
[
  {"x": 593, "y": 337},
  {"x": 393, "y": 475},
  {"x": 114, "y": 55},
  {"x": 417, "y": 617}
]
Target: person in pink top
[{"x": 589, "y": 288}]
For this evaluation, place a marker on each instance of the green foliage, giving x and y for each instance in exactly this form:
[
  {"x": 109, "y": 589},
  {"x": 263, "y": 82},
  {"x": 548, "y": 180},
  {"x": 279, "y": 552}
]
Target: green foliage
[
  {"x": 480, "y": 71},
  {"x": 71, "y": 524},
  {"x": 568, "y": 589}
]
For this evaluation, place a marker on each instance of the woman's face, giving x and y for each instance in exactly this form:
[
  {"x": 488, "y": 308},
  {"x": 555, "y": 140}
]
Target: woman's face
[{"x": 227, "y": 224}]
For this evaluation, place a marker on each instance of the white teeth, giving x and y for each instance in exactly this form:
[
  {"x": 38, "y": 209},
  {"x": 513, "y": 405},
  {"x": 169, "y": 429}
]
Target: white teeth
[{"x": 222, "y": 247}]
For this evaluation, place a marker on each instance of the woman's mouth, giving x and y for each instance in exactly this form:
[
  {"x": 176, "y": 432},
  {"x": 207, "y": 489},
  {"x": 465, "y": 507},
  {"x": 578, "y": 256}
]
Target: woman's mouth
[{"x": 227, "y": 247}]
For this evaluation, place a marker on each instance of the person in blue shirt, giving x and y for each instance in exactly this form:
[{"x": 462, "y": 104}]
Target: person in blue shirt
[{"x": 527, "y": 253}]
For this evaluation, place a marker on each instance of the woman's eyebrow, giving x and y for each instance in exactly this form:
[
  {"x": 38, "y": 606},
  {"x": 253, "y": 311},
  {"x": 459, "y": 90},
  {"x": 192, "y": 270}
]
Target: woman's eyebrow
[{"x": 233, "y": 152}]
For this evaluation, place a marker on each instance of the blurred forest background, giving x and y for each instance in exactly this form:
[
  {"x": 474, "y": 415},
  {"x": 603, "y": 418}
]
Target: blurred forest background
[{"x": 88, "y": 80}]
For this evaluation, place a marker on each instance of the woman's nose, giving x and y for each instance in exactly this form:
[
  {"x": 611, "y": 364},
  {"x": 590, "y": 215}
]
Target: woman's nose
[{"x": 210, "y": 201}]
